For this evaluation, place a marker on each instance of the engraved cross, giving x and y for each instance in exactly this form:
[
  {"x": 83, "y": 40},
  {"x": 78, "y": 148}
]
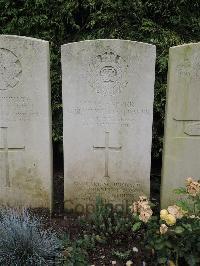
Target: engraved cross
[
  {"x": 5, "y": 149},
  {"x": 107, "y": 148}
]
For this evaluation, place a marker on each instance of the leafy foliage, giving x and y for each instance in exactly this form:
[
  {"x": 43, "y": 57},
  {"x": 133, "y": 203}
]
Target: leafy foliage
[
  {"x": 24, "y": 242},
  {"x": 107, "y": 224},
  {"x": 163, "y": 23},
  {"x": 181, "y": 240},
  {"x": 75, "y": 253},
  {"x": 181, "y": 243},
  {"x": 122, "y": 255}
]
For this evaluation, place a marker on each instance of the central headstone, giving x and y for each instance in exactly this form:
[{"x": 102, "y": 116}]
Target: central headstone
[
  {"x": 25, "y": 118},
  {"x": 107, "y": 106}
]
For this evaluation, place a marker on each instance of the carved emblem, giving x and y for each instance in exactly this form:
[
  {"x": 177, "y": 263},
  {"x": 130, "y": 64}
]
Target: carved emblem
[
  {"x": 10, "y": 69},
  {"x": 108, "y": 73},
  {"x": 190, "y": 67},
  {"x": 192, "y": 129}
]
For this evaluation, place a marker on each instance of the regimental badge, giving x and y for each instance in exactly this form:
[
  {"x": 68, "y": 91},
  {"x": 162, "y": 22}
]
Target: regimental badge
[{"x": 108, "y": 73}]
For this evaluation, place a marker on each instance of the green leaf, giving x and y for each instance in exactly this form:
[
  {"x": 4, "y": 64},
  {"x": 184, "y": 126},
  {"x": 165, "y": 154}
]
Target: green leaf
[
  {"x": 122, "y": 255},
  {"x": 184, "y": 205},
  {"x": 179, "y": 229},
  {"x": 159, "y": 246},
  {"x": 136, "y": 226},
  {"x": 162, "y": 260},
  {"x": 168, "y": 244},
  {"x": 180, "y": 190},
  {"x": 188, "y": 227}
]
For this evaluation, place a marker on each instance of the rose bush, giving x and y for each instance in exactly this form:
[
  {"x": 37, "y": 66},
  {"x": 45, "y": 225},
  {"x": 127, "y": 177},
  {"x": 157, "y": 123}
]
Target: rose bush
[{"x": 175, "y": 235}]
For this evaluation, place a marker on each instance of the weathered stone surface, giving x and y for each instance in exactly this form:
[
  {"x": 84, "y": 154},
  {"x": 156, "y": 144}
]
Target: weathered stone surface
[
  {"x": 108, "y": 103},
  {"x": 25, "y": 135},
  {"x": 182, "y": 125}
]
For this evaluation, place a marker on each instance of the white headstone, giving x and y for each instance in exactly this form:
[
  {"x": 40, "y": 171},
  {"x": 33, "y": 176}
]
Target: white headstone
[
  {"x": 108, "y": 106},
  {"x": 25, "y": 135},
  {"x": 181, "y": 157}
]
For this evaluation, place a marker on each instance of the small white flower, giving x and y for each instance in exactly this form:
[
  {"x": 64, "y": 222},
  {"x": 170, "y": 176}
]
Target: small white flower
[
  {"x": 135, "y": 249},
  {"x": 129, "y": 263},
  {"x": 114, "y": 262}
]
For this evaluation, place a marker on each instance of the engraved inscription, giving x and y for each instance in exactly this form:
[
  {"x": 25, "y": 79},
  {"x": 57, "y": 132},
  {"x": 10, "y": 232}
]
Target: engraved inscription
[
  {"x": 189, "y": 68},
  {"x": 109, "y": 191},
  {"x": 107, "y": 72},
  {"x": 183, "y": 69},
  {"x": 98, "y": 113},
  {"x": 16, "y": 108},
  {"x": 10, "y": 69},
  {"x": 107, "y": 148},
  {"x": 4, "y": 150},
  {"x": 196, "y": 65}
]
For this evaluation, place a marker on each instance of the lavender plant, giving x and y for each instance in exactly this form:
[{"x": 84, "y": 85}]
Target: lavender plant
[{"x": 24, "y": 242}]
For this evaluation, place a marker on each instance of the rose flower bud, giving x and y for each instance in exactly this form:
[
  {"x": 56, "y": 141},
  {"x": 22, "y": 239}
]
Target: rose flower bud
[
  {"x": 163, "y": 214},
  {"x": 176, "y": 211},
  {"x": 170, "y": 219},
  {"x": 193, "y": 188},
  {"x": 189, "y": 180},
  {"x": 163, "y": 229}
]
